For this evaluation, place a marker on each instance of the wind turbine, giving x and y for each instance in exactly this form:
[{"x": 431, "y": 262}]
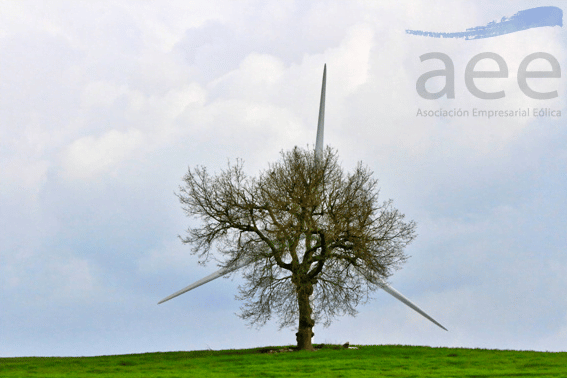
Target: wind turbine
[{"x": 318, "y": 151}]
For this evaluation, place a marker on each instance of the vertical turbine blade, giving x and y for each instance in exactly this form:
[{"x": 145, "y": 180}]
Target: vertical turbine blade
[
  {"x": 321, "y": 123},
  {"x": 396, "y": 294}
]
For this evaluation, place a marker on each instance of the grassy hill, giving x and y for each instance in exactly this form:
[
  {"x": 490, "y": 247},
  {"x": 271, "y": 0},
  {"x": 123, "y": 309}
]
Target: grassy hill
[{"x": 329, "y": 361}]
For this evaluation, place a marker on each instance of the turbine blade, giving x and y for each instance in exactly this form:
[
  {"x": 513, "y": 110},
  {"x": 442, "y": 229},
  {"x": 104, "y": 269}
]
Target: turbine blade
[
  {"x": 202, "y": 281},
  {"x": 321, "y": 123},
  {"x": 396, "y": 294}
]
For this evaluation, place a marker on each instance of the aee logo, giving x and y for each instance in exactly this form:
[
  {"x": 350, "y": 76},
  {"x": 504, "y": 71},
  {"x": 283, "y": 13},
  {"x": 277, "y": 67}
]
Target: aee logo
[{"x": 502, "y": 73}]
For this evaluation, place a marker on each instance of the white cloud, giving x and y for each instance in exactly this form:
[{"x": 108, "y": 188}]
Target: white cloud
[
  {"x": 101, "y": 93},
  {"x": 90, "y": 156},
  {"x": 20, "y": 176},
  {"x": 350, "y": 61}
]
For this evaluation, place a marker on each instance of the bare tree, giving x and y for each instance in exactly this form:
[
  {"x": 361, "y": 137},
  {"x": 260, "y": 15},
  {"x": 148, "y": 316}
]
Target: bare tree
[{"x": 314, "y": 241}]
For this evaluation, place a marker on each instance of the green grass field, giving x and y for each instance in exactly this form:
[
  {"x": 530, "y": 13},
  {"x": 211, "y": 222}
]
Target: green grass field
[{"x": 330, "y": 361}]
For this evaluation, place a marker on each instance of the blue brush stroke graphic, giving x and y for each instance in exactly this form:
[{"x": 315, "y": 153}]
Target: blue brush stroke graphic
[{"x": 523, "y": 20}]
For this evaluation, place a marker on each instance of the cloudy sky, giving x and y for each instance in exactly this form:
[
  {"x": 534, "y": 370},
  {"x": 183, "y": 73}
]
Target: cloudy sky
[{"x": 104, "y": 106}]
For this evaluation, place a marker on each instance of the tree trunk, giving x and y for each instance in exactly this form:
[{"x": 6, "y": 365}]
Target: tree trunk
[{"x": 306, "y": 323}]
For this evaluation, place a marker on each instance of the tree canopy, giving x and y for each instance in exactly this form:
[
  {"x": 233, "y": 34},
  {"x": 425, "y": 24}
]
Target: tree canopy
[{"x": 314, "y": 241}]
